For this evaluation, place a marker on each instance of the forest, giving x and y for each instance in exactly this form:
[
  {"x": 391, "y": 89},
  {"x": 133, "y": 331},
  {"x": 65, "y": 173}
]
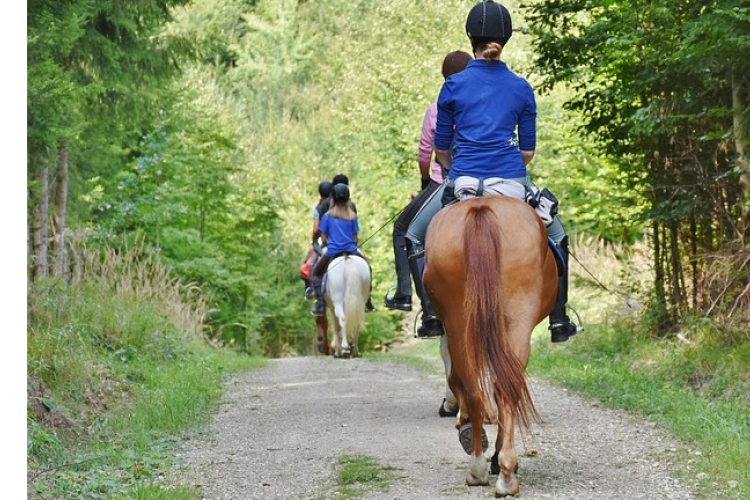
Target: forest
[{"x": 186, "y": 140}]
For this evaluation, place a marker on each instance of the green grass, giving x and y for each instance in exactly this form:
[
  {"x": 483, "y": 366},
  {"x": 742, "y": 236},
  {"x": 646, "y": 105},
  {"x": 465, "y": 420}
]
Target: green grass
[
  {"x": 420, "y": 356},
  {"x": 358, "y": 474},
  {"x": 698, "y": 392}
]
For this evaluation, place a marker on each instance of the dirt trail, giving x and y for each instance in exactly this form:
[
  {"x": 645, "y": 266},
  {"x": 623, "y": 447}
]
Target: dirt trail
[{"x": 281, "y": 430}]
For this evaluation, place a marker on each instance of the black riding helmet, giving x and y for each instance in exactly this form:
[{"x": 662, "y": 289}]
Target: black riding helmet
[
  {"x": 340, "y": 179},
  {"x": 324, "y": 188},
  {"x": 340, "y": 192},
  {"x": 488, "y": 22}
]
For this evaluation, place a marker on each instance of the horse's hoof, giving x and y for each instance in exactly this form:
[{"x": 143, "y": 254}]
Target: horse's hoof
[
  {"x": 445, "y": 413},
  {"x": 467, "y": 442},
  {"x": 504, "y": 488}
]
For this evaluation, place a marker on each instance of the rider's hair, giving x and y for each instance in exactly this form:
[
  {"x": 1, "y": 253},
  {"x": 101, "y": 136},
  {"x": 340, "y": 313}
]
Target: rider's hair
[
  {"x": 491, "y": 50},
  {"x": 454, "y": 62},
  {"x": 342, "y": 209}
]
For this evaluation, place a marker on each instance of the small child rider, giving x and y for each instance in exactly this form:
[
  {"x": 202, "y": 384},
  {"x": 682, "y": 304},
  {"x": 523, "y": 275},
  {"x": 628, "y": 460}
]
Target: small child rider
[{"x": 339, "y": 229}]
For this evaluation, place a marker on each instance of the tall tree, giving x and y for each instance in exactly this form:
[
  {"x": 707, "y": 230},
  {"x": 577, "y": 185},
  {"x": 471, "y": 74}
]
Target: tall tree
[
  {"x": 654, "y": 81},
  {"x": 96, "y": 71}
]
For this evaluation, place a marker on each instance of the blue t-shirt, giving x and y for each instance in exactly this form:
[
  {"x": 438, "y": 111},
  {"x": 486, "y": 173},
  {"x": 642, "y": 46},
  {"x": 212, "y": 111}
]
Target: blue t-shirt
[
  {"x": 340, "y": 234},
  {"x": 486, "y": 105}
]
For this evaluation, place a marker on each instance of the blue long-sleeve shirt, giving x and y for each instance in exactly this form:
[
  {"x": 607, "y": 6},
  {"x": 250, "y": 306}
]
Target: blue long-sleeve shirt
[{"x": 480, "y": 110}]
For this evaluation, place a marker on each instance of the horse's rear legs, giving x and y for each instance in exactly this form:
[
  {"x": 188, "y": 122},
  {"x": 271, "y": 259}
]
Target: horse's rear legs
[
  {"x": 505, "y": 460},
  {"x": 449, "y": 406},
  {"x": 473, "y": 429}
]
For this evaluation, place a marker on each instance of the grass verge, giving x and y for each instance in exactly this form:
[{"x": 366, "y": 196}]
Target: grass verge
[
  {"x": 115, "y": 378},
  {"x": 696, "y": 390}
]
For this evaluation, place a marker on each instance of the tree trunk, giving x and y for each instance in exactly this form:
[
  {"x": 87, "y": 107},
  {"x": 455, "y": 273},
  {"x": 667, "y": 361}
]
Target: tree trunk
[
  {"x": 739, "y": 105},
  {"x": 61, "y": 205},
  {"x": 39, "y": 229},
  {"x": 678, "y": 300}
]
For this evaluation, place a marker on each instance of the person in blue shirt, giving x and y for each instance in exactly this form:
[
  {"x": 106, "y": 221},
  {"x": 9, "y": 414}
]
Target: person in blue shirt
[
  {"x": 339, "y": 231},
  {"x": 486, "y": 127}
]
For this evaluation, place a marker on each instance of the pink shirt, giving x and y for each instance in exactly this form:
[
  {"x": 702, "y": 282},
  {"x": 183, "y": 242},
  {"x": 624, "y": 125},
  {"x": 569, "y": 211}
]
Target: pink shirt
[{"x": 427, "y": 144}]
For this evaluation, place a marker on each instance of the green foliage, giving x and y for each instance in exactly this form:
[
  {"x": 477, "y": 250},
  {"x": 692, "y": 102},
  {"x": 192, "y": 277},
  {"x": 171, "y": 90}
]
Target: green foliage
[{"x": 217, "y": 165}]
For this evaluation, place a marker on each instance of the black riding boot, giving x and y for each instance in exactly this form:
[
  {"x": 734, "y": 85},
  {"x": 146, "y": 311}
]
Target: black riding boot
[
  {"x": 431, "y": 326},
  {"x": 560, "y": 325},
  {"x": 319, "y": 309}
]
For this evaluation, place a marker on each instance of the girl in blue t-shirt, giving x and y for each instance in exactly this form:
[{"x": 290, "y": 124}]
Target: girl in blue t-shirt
[{"x": 339, "y": 229}]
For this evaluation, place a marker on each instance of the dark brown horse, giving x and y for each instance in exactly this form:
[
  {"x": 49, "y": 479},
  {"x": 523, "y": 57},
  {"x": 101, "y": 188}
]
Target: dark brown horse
[{"x": 492, "y": 278}]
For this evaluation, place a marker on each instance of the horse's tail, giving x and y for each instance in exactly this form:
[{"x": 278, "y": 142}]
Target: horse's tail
[
  {"x": 354, "y": 298},
  {"x": 501, "y": 373}
]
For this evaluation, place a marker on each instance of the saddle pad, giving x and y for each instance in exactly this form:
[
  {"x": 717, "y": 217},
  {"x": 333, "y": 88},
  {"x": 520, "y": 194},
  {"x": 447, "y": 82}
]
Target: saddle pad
[{"x": 466, "y": 187}]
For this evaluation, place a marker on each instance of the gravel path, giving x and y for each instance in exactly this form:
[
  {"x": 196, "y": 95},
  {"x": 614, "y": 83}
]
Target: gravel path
[{"x": 281, "y": 430}]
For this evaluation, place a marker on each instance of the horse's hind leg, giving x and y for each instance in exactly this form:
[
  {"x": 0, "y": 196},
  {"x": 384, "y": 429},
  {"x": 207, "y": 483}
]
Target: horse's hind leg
[
  {"x": 478, "y": 473},
  {"x": 321, "y": 322},
  {"x": 449, "y": 406},
  {"x": 343, "y": 343},
  {"x": 507, "y": 459}
]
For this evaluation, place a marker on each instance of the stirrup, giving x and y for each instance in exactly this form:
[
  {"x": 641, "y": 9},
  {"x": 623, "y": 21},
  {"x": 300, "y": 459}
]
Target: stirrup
[{"x": 416, "y": 254}]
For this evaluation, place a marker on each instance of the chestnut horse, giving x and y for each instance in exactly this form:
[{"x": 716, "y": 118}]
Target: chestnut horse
[{"x": 491, "y": 278}]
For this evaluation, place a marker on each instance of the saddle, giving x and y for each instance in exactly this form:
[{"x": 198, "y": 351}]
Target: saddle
[
  {"x": 324, "y": 280},
  {"x": 542, "y": 201}
]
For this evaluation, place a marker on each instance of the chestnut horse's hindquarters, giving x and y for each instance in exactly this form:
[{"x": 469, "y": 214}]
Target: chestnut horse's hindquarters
[{"x": 492, "y": 279}]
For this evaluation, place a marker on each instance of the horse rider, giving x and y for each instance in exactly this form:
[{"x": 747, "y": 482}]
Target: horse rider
[
  {"x": 339, "y": 230},
  {"x": 486, "y": 128},
  {"x": 324, "y": 190},
  {"x": 432, "y": 177}
]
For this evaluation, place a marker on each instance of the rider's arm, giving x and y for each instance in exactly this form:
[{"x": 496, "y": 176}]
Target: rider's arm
[
  {"x": 316, "y": 226},
  {"x": 316, "y": 223},
  {"x": 444, "y": 158},
  {"x": 527, "y": 156},
  {"x": 426, "y": 142}
]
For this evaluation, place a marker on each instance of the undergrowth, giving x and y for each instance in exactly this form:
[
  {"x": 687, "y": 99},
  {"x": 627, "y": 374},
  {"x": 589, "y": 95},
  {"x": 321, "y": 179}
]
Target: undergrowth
[
  {"x": 117, "y": 373},
  {"x": 694, "y": 381}
]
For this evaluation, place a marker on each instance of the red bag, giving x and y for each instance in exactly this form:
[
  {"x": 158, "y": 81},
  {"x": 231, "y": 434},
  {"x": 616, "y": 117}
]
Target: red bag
[{"x": 304, "y": 270}]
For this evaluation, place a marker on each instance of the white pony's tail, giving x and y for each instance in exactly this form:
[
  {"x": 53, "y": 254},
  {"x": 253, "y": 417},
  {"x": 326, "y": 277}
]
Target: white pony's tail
[{"x": 354, "y": 298}]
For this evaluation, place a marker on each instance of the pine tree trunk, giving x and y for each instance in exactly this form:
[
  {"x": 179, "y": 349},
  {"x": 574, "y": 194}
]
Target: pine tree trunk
[
  {"x": 61, "y": 206},
  {"x": 739, "y": 104},
  {"x": 39, "y": 229}
]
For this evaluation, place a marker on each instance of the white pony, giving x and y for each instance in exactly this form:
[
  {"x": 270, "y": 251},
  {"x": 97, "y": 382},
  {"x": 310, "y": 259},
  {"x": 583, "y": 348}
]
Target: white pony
[{"x": 347, "y": 289}]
